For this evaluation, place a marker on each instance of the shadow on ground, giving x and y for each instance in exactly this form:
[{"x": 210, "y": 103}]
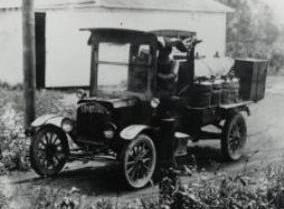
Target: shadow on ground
[
  {"x": 90, "y": 179},
  {"x": 97, "y": 180}
]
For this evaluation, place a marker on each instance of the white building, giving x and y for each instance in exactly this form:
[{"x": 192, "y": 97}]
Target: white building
[{"x": 67, "y": 57}]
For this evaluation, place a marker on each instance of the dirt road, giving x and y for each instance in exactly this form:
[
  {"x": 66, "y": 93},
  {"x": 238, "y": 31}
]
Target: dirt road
[{"x": 95, "y": 179}]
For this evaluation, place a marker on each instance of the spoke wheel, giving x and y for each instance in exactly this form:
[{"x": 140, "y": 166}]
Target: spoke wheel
[
  {"x": 234, "y": 137},
  {"x": 139, "y": 161},
  {"x": 49, "y": 151}
]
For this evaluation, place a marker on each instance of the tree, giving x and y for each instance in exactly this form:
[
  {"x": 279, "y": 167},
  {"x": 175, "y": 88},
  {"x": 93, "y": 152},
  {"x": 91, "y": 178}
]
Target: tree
[{"x": 250, "y": 29}]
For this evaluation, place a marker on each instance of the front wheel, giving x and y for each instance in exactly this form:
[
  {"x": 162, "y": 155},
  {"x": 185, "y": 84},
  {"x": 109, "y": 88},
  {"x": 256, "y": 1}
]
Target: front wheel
[
  {"x": 234, "y": 137},
  {"x": 49, "y": 151},
  {"x": 139, "y": 161}
]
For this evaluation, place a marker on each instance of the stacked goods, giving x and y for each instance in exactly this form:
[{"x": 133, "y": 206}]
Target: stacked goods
[
  {"x": 230, "y": 91},
  {"x": 200, "y": 94},
  {"x": 217, "y": 92},
  {"x": 214, "y": 92}
]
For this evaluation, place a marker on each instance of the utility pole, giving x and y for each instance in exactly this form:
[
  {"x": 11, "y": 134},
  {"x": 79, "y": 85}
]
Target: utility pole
[{"x": 29, "y": 60}]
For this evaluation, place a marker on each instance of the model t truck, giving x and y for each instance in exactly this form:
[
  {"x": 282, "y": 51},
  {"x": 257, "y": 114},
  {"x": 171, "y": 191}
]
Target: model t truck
[{"x": 120, "y": 116}]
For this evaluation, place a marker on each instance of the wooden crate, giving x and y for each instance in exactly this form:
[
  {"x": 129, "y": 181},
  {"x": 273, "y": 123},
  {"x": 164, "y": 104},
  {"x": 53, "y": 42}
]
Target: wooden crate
[{"x": 252, "y": 74}]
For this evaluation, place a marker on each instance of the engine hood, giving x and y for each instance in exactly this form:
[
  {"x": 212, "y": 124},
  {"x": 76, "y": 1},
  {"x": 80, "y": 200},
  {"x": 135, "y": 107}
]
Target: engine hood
[{"x": 113, "y": 102}]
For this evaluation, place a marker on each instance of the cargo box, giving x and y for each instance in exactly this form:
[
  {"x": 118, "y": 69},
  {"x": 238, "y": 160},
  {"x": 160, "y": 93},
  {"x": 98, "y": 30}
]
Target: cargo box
[{"x": 252, "y": 74}]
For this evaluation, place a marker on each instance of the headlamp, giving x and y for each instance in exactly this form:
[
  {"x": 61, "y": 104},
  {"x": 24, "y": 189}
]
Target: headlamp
[
  {"x": 67, "y": 125},
  {"x": 155, "y": 103},
  {"x": 109, "y": 131},
  {"x": 108, "y": 134}
]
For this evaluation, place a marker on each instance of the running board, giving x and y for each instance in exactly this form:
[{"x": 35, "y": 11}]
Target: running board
[
  {"x": 90, "y": 142},
  {"x": 91, "y": 157}
]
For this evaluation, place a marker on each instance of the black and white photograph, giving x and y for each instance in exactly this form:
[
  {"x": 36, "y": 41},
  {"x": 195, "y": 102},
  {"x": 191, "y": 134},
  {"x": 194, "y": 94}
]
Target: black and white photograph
[{"x": 141, "y": 104}]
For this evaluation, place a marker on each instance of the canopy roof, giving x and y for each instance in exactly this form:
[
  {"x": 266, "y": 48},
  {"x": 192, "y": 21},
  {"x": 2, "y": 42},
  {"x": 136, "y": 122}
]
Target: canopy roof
[{"x": 120, "y": 35}]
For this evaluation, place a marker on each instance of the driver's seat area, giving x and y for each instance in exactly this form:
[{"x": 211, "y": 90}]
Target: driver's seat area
[{"x": 185, "y": 78}]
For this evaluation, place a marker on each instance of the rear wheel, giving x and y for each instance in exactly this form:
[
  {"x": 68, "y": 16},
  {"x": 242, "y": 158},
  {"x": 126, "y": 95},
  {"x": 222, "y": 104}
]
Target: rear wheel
[
  {"x": 139, "y": 161},
  {"x": 234, "y": 137},
  {"x": 49, "y": 151}
]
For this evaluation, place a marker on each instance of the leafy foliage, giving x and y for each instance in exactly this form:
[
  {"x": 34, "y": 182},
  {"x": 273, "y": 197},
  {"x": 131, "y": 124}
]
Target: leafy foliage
[
  {"x": 14, "y": 146},
  {"x": 3, "y": 201},
  {"x": 204, "y": 191},
  {"x": 223, "y": 191},
  {"x": 252, "y": 32}
]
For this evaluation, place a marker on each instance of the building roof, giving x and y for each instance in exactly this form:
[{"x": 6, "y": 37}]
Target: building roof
[
  {"x": 169, "y": 5},
  {"x": 166, "y": 5},
  {"x": 9, "y": 4}
]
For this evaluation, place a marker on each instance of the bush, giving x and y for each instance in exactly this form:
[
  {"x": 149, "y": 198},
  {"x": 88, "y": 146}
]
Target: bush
[
  {"x": 242, "y": 191},
  {"x": 3, "y": 201},
  {"x": 72, "y": 199},
  {"x": 204, "y": 191},
  {"x": 277, "y": 61},
  {"x": 7, "y": 86},
  {"x": 14, "y": 146}
]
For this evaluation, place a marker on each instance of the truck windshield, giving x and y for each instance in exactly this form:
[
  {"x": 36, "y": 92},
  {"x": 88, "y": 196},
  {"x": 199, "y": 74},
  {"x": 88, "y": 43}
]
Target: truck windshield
[{"x": 122, "y": 67}]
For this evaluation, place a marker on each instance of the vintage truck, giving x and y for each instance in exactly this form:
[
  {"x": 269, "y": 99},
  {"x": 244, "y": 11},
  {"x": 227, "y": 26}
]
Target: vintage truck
[{"x": 118, "y": 116}]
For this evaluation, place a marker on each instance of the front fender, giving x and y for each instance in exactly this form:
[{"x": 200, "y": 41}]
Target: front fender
[
  {"x": 48, "y": 119},
  {"x": 130, "y": 132}
]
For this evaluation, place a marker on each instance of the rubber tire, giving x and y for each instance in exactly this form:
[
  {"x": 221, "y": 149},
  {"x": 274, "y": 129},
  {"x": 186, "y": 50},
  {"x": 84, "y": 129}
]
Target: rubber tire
[
  {"x": 65, "y": 147},
  {"x": 128, "y": 146},
  {"x": 230, "y": 121}
]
